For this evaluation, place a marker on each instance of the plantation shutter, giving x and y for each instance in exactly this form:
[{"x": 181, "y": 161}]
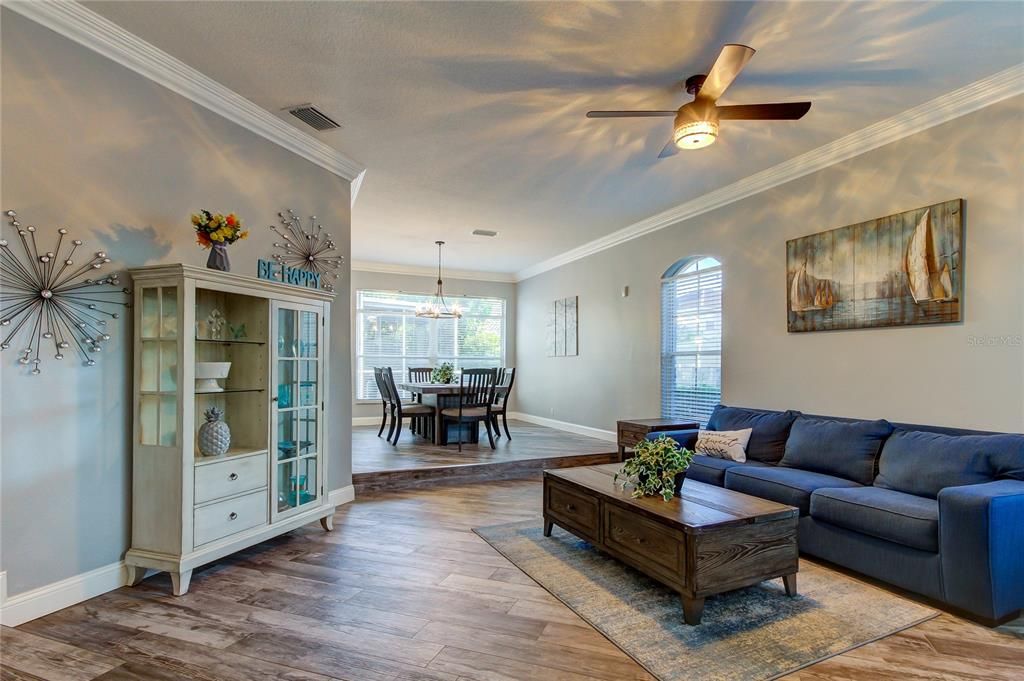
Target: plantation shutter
[{"x": 691, "y": 340}]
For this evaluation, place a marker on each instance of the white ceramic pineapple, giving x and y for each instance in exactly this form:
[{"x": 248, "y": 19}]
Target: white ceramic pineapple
[{"x": 214, "y": 435}]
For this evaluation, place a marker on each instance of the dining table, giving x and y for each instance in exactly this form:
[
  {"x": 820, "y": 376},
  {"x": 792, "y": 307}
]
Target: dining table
[{"x": 446, "y": 396}]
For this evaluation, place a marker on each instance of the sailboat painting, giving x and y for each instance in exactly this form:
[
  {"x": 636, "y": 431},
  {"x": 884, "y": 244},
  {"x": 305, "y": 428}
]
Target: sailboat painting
[{"x": 899, "y": 270}]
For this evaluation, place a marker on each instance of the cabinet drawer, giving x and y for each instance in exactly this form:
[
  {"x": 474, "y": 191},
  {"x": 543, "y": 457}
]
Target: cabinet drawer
[
  {"x": 228, "y": 517},
  {"x": 227, "y": 478},
  {"x": 629, "y": 437},
  {"x": 654, "y": 549},
  {"x": 572, "y": 509}
]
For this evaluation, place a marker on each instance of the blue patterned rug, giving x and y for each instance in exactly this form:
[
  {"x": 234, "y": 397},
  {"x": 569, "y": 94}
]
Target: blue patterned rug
[{"x": 748, "y": 634}]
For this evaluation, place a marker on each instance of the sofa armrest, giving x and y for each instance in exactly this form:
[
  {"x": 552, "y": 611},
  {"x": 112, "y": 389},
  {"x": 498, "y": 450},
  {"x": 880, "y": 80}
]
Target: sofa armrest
[
  {"x": 686, "y": 438},
  {"x": 981, "y": 545}
]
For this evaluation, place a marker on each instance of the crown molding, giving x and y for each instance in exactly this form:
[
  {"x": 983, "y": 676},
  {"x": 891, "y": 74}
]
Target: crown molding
[
  {"x": 87, "y": 28},
  {"x": 977, "y": 95},
  {"x": 418, "y": 271}
]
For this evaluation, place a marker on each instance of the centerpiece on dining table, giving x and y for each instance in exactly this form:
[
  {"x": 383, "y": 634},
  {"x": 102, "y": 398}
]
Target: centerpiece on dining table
[{"x": 444, "y": 374}]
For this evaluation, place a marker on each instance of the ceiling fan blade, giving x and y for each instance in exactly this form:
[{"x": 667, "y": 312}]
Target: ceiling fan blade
[
  {"x": 670, "y": 150},
  {"x": 730, "y": 62},
  {"x": 628, "y": 114},
  {"x": 789, "y": 111}
]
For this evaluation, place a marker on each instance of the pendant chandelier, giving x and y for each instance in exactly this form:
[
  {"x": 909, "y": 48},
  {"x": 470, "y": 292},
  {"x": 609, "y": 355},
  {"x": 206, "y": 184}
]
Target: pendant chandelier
[{"x": 437, "y": 308}]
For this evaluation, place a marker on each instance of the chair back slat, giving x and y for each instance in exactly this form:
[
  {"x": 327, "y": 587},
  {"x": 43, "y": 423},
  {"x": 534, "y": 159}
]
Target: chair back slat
[
  {"x": 420, "y": 374},
  {"x": 378, "y": 377},
  {"x": 477, "y": 387},
  {"x": 506, "y": 380},
  {"x": 389, "y": 385}
]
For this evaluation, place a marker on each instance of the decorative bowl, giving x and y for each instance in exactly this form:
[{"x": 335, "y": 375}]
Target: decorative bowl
[{"x": 207, "y": 374}]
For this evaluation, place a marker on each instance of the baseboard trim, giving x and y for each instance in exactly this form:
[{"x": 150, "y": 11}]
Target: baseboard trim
[
  {"x": 342, "y": 495},
  {"x": 65, "y": 593},
  {"x": 365, "y": 420},
  {"x": 597, "y": 433},
  {"x": 43, "y": 600}
]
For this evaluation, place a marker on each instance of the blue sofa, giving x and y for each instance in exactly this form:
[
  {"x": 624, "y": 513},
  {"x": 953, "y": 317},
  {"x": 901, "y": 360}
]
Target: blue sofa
[{"x": 936, "y": 511}]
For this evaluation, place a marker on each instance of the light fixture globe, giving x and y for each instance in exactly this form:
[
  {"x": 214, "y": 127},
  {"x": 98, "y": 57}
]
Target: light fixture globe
[{"x": 695, "y": 134}]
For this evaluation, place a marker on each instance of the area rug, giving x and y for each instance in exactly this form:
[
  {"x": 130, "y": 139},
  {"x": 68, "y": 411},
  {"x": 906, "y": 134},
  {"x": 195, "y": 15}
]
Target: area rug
[{"x": 753, "y": 633}]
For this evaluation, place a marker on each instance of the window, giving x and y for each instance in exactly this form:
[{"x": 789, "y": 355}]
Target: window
[
  {"x": 388, "y": 333},
  {"x": 691, "y": 339}
]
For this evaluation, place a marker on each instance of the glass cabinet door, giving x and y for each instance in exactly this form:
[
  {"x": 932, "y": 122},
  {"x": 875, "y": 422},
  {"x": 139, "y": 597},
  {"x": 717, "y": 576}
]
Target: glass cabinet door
[
  {"x": 158, "y": 322},
  {"x": 296, "y": 411}
]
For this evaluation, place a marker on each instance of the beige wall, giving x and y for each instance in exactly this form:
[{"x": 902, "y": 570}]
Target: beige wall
[
  {"x": 122, "y": 162},
  {"x": 455, "y": 287},
  {"x": 969, "y": 374}
]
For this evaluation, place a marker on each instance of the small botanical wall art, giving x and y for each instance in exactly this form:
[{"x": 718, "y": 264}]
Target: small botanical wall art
[
  {"x": 561, "y": 330},
  {"x": 903, "y": 269}
]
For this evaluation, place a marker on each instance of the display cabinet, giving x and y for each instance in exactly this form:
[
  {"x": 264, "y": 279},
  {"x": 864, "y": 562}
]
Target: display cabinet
[{"x": 256, "y": 352}]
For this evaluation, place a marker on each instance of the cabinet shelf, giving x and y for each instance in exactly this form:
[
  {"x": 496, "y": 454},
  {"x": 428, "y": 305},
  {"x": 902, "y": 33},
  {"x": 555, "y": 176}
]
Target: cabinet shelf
[
  {"x": 231, "y": 341},
  {"x": 232, "y": 454},
  {"x": 229, "y": 391}
]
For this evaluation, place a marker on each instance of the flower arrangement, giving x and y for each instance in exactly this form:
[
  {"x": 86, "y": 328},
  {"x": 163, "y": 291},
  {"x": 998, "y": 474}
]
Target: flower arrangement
[
  {"x": 657, "y": 467},
  {"x": 216, "y": 228},
  {"x": 443, "y": 374}
]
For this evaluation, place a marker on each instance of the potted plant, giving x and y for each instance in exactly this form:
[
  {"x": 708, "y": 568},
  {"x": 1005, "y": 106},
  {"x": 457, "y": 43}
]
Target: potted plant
[
  {"x": 443, "y": 374},
  {"x": 215, "y": 231},
  {"x": 657, "y": 467}
]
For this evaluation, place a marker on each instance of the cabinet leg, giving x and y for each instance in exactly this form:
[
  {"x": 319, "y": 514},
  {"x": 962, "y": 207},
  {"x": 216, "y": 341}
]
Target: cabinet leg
[
  {"x": 327, "y": 522},
  {"x": 135, "y": 574},
  {"x": 547, "y": 527},
  {"x": 180, "y": 580},
  {"x": 622, "y": 453},
  {"x": 693, "y": 608},
  {"x": 790, "y": 582}
]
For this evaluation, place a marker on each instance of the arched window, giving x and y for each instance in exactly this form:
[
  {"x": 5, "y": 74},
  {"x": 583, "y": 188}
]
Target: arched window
[{"x": 691, "y": 338}]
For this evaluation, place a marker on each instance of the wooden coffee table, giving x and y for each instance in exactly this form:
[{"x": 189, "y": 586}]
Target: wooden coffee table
[{"x": 708, "y": 541}]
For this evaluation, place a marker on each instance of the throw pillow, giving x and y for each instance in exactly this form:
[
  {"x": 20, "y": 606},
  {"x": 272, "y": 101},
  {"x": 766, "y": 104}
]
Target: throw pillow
[{"x": 724, "y": 444}]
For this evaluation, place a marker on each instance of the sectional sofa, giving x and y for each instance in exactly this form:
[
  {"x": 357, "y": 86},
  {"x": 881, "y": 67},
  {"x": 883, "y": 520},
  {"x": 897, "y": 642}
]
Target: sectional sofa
[{"x": 936, "y": 511}]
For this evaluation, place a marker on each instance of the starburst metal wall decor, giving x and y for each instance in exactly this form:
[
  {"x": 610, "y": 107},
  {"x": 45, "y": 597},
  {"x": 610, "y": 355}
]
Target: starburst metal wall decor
[
  {"x": 45, "y": 293},
  {"x": 313, "y": 250}
]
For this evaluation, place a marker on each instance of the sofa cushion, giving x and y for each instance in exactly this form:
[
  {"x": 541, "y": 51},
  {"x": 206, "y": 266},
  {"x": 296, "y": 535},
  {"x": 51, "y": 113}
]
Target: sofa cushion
[
  {"x": 712, "y": 469},
  {"x": 785, "y": 485},
  {"x": 770, "y": 429},
  {"x": 845, "y": 449},
  {"x": 923, "y": 463},
  {"x": 895, "y": 516}
]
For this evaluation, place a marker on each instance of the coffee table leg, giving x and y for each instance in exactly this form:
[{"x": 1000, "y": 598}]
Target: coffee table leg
[
  {"x": 693, "y": 608},
  {"x": 790, "y": 582},
  {"x": 547, "y": 527}
]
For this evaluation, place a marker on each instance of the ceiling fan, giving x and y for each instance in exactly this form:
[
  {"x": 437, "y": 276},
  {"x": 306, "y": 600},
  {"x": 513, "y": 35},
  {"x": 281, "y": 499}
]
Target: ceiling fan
[{"x": 696, "y": 123}]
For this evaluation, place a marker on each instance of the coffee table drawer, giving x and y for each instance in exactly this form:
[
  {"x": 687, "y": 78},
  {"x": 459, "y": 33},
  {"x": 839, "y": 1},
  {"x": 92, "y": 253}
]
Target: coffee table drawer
[
  {"x": 652, "y": 547},
  {"x": 572, "y": 509}
]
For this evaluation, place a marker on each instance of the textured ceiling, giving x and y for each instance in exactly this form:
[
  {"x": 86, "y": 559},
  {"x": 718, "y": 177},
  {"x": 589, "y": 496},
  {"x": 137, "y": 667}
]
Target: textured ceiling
[{"x": 471, "y": 115}]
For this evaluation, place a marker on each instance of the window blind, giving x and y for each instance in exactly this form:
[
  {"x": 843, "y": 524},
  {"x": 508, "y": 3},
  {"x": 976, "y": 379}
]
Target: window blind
[
  {"x": 388, "y": 333},
  {"x": 691, "y": 340}
]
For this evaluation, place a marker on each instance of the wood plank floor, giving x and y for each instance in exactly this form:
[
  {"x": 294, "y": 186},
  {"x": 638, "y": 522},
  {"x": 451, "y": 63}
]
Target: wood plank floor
[
  {"x": 371, "y": 453},
  {"x": 402, "y": 590}
]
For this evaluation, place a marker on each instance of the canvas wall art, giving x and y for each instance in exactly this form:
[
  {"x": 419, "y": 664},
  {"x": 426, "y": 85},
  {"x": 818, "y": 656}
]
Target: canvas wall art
[
  {"x": 903, "y": 269},
  {"x": 561, "y": 329}
]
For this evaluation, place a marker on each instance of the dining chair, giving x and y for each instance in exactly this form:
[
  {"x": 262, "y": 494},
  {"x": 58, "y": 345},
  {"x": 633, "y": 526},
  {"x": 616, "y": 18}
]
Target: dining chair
[
  {"x": 420, "y": 375},
  {"x": 378, "y": 377},
  {"x": 476, "y": 397},
  {"x": 506, "y": 377},
  {"x": 400, "y": 410}
]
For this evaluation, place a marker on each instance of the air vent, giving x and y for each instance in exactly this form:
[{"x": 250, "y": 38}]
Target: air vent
[
  {"x": 313, "y": 117},
  {"x": 484, "y": 232}
]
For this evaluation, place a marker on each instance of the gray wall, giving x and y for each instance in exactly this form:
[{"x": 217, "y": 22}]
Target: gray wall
[
  {"x": 935, "y": 374},
  {"x": 122, "y": 162},
  {"x": 455, "y": 287}
]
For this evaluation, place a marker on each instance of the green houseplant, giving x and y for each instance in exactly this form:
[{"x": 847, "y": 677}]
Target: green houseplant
[
  {"x": 657, "y": 467},
  {"x": 443, "y": 374}
]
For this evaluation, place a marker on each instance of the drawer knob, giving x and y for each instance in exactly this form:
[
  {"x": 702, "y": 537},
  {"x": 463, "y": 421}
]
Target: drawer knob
[
  {"x": 232, "y": 515},
  {"x": 233, "y": 476},
  {"x": 570, "y": 507}
]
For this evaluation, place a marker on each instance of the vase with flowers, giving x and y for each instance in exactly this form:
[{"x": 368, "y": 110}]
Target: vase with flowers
[{"x": 215, "y": 231}]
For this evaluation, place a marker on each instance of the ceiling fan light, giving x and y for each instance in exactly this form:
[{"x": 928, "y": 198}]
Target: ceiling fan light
[{"x": 696, "y": 134}]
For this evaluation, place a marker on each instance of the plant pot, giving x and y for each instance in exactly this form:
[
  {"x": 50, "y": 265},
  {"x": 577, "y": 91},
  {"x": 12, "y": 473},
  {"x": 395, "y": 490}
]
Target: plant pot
[
  {"x": 677, "y": 485},
  {"x": 218, "y": 259}
]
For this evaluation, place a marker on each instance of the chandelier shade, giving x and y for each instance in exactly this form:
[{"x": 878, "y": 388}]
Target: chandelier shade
[{"x": 438, "y": 307}]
